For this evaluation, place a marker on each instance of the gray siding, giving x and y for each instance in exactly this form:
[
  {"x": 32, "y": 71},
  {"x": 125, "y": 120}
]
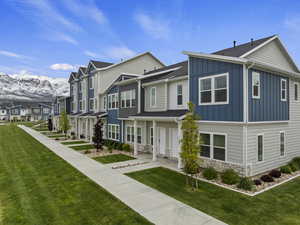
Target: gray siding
[
  {"x": 161, "y": 97},
  {"x": 125, "y": 112}
]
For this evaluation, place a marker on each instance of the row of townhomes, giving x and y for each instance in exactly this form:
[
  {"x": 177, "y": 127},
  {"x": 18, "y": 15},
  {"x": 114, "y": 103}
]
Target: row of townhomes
[
  {"x": 25, "y": 111},
  {"x": 247, "y": 98}
]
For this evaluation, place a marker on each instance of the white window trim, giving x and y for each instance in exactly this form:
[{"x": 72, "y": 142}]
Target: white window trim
[
  {"x": 132, "y": 129},
  {"x": 110, "y": 97},
  {"x": 108, "y": 128},
  {"x": 296, "y": 84},
  {"x": 259, "y": 86},
  {"x": 284, "y": 153},
  {"x": 212, "y": 77},
  {"x": 152, "y": 106},
  {"x": 130, "y": 99},
  {"x": 177, "y": 95},
  {"x": 211, "y": 147},
  {"x": 80, "y": 105},
  {"x": 281, "y": 89},
  {"x": 92, "y": 78},
  {"x": 263, "y": 147},
  {"x": 93, "y": 108}
]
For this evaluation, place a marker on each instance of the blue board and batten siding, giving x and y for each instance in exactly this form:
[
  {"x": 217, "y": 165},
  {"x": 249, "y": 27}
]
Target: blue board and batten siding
[
  {"x": 233, "y": 111},
  {"x": 269, "y": 106}
]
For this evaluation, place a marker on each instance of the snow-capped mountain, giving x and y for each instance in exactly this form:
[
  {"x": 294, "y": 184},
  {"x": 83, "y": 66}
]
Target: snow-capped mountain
[{"x": 27, "y": 87}]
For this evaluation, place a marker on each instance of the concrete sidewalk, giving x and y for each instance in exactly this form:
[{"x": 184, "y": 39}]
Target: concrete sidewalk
[{"x": 152, "y": 204}]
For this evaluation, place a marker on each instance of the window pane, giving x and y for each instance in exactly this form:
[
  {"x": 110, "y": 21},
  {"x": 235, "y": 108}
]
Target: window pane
[
  {"x": 221, "y": 82},
  {"x": 179, "y": 89},
  {"x": 205, "y": 84},
  {"x": 260, "y": 147},
  {"x": 255, "y": 91},
  {"x": 283, "y": 94},
  {"x": 153, "y": 96},
  {"x": 205, "y": 138},
  {"x": 282, "y": 144},
  {"x": 205, "y": 151},
  {"x": 219, "y": 153},
  {"x": 283, "y": 84},
  {"x": 221, "y": 95},
  {"x": 256, "y": 79},
  {"x": 219, "y": 141},
  {"x": 296, "y": 92},
  {"x": 206, "y": 97},
  {"x": 179, "y": 100}
]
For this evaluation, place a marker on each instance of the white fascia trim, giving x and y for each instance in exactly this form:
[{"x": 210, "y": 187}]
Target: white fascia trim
[
  {"x": 168, "y": 80},
  {"x": 258, "y": 47},
  {"x": 242, "y": 123},
  {"x": 157, "y": 118},
  {"x": 160, "y": 72},
  {"x": 216, "y": 57}
]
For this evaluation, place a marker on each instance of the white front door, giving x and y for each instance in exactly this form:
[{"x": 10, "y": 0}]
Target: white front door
[
  {"x": 174, "y": 142},
  {"x": 162, "y": 140}
]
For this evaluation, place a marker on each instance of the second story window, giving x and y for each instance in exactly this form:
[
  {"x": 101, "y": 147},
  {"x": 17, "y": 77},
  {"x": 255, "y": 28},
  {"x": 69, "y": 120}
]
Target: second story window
[
  {"x": 213, "y": 90},
  {"x": 113, "y": 101},
  {"x": 80, "y": 105},
  {"x": 128, "y": 99},
  {"x": 179, "y": 94},
  {"x": 91, "y": 104},
  {"x": 283, "y": 92},
  {"x": 91, "y": 82},
  {"x": 153, "y": 97},
  {"x": 255, "y": 85},
  {"x": 79, "y": 87},
  {"x": 296, "y": 86}
]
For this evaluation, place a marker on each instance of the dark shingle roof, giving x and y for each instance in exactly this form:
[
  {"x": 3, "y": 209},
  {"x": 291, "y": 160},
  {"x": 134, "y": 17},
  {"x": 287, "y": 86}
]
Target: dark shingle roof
[
  {"x": 181, "y": 71},
  {"x": 240, "y": 50},
  {"x": 168, "y": 113},
  {"x": 83, "y": 69},
  {"x": 99, "y": 64}
]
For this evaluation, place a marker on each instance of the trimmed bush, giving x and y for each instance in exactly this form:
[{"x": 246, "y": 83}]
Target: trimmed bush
[
  {"x": 286, "y": 169},
  {"x": 275, "y": 173},
  {"x": 293, "y": 166},
  {"x": 229, "y": 176},
  {"x": 210, "y": 173},
  {"x": 257, "y": 182},
  {"x": 126, "y": 148},
  {"x": 267, "y": 178},
  {"x": 87, "y": 151},
  {"x": 245, "y": 184},
  {"x": 296, "y": 161}
]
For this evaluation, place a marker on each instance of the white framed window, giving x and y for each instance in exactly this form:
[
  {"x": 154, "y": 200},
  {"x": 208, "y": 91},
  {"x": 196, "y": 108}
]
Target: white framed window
[
  {"x": 80, "y": 105},
  {"x": 152, "y": 96},
  {"x": 139, "y": 135},
  {"x": 128, "y": 99},
  {"x": 282, "y": 143},
  {"x": 179, "y": 94},
  {"x": 130, "y": 134},
  {"x": 113, "y": 101},
  {"x": 83, "y": 105},
  {"x": 91, "y": 105},
  {"x": 214, "y": 145},
  {"x": 91, "y": 82},
  {"x": 105, "y": 102},
  {"x": 113, "y": 132},
  {"x": 214, "y": 90},
  {"x": 260, "y": 147},
  {"x": 79, "y": 87},
  {"x": 46, "y": 110},
  {"x": 255, "y": 85},
  {"x": 283, "y": 92},
  {"x": 296, "y": 91}
]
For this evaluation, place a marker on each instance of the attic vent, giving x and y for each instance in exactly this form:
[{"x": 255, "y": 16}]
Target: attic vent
[
  {"x": 234, "y": 44},
  {"x": 251, "y": 42}
]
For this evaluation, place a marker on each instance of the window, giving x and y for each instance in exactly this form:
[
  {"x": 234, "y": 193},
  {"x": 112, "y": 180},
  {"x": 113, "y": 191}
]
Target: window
[
  {"x": 213, "y": 146},
  {"x": 104, "y": 102},
  {"x": 91, "y": 104},
  {"x": 128, "y": 99},
  {"x": 130, "y": 134},
  {"x": 153, "y": 97},
  {"x": 80, "y": 105},
  {"x": 213, "y": 89},
  {"x": 79, "y": 87},
  {"x": 113, "y": 101},
  {"x": 255, "y": 85},
  {"x": 151, "y": 136},
  {"x": 282, "y": 143},
  {"x": 283, "y": 90},
  {"x": 296, "y": 91},
  {"x": 179, "y": 94},
  {"x": 260, "y": 147},
  {"x": 46, "y": 110},
  {"x": 72, "y": 107},
  {"x": 139, "y": 135},
  {"x": 113, "y": 132},
  {"x": 91, "y": 82},
  {"x": 83, "y": 104}
]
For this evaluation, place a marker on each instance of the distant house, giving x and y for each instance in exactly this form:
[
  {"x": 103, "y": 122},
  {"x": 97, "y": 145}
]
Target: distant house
[{"x": 4, "y": 113}]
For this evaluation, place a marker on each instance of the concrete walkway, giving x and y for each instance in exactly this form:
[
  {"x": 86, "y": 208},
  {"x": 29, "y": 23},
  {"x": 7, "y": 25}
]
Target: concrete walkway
[{"x": 152, "y": 204}]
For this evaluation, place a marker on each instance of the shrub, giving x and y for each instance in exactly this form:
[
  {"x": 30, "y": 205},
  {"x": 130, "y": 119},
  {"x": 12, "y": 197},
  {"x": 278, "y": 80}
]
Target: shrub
[
  {"x": 82, "y": 136},
  {"x": 297, "y": 162},
  {"x": 267, "y": 178},
  {"x": 126, "y": 148},
  {"x": 87, "y": 151},
  {"x": 229, "y": 176},
  {"x": 210, "y": 173},
  {"x": 245, "y": 184},
  {"x": 293, "y": 166},
  {"x": 257, "y": 182},
  {"x": 286, "y": 169},
  {"x": 110, "y": 148},
  {"x": 275, "y": 173},
  {"x": 73, "y": 137}
]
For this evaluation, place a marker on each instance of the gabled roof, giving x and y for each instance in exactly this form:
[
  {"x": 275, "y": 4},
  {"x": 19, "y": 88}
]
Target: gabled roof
[
  {"x": 122, "y": 77},
  {"x": 73, "y": 76},
  {"x": 242, "y": 49},
  {"x": 99, "y": 64},
  {"x": 83, "y": 69}
]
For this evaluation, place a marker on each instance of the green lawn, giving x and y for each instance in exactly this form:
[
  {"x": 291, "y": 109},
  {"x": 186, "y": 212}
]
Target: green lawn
[
  {"x": 280, "y": 205},
  {"x": 73, "y": 142},
  {"x": 83, "y": 147},
  {"x": 113, "y": 158},
  {"x": 39, "y": 188}
]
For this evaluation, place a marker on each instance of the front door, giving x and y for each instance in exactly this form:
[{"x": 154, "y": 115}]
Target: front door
[{"x": 162, "y": 141}]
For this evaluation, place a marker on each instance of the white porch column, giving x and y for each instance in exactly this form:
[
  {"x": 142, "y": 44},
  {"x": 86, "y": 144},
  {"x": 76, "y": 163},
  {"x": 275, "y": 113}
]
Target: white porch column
[
  {"x": 86, "y": 129},
  {"x": 135, "y": 145},
  {"x": 79, "y": 128},
  {"x": 91, "y": 129},
  {"x": 154, "y": 156},
  {"x": 179, "y": 133}
]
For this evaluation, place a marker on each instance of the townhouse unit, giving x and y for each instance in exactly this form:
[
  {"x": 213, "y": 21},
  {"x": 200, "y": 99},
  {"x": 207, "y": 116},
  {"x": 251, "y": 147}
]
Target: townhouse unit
[
  {"x": 246, "y": 97},
  {"x": 4, "y": 113},
  {"x": 60, "y": 104},
  {"x": 29, "y": 112},
  {"x": 89, "y": 85}
]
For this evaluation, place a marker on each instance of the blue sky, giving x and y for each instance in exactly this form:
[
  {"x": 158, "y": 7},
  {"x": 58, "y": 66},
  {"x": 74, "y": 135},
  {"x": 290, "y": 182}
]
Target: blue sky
[{"x": 54, "y": 37}]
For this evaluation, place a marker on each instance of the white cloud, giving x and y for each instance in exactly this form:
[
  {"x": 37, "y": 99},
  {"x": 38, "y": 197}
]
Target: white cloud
[
  {"x": 121, "y": 52},
  {"x": 66, "y": 38},
  {"x": 11, "y": 54},
  {"x": 91, "y": 54},
  {"x": 62, "y": 66},
  {"x": 293, "y": 23},
  {"x": 157, "y": 28}
]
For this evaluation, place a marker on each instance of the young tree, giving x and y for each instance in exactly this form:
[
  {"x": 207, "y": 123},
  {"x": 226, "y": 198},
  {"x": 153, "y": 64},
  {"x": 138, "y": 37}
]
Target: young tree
[
  {"x": 50, "y": 125},
  {"x": 64, "y": 124},
  {"x": 98, "y": 135},
  {"x": 190, "y": 145}
]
